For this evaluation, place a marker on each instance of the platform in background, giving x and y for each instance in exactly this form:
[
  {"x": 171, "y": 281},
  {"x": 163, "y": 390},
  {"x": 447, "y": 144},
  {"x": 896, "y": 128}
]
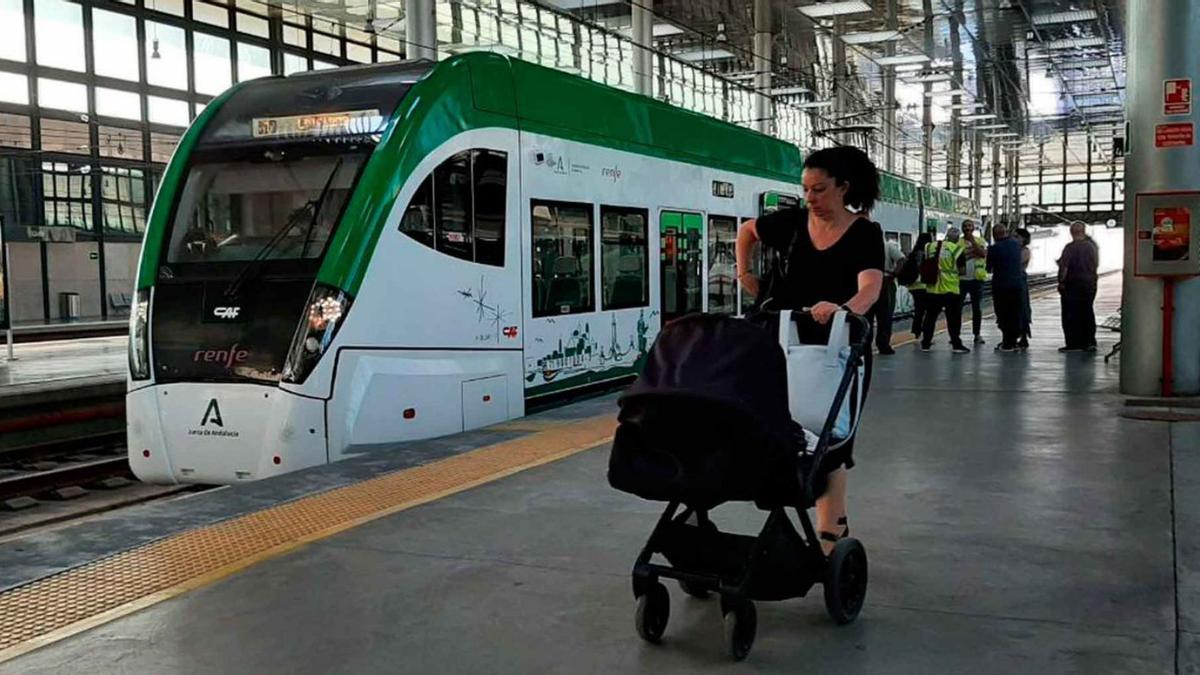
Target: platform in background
[{"x": 55, "y": 364}]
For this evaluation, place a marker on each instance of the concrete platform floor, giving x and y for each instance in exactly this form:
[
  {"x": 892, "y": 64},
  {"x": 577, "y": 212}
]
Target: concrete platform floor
[
  {"x": 1014, "y": 523},
  {"x": 54, "y": 361}
]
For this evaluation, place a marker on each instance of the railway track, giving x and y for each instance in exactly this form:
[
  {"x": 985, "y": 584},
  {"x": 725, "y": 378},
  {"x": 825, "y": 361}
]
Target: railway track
[{"x": 61, "y": 469}]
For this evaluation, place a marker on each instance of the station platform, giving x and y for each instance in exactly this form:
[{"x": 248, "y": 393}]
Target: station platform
[
  {"x": 1015, "y": 522},
  {"x": 42, "y": 331},
  {"x": 62, "y": 365}
]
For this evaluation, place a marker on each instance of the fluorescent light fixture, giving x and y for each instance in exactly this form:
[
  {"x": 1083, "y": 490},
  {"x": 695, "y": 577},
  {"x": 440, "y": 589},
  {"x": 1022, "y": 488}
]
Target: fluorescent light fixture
[
  {"x": 901, "y": 59},
  {"x": 930, "y": 77},
  {"x": 814, "y": 104},
  {"x": 1086, "y": 80},
  {"x": 1003, "y": 134},
  {"x": 703, "y": 54},
  {"x": 907, "y": 67},
  {"x": 1080, "y": 65},
  {"x": 667, "y": 30},
  {"x": 741, "y": 77},
  {"x": 870, "y": 36},
  {"x": 964, "y": 106},
  {"x": 946, "y": 92},
  {"x": 824, "y": 9},
  {"x": 1077, "y": 16},
  {"x": 1074, "y": 43},
  {"x": 790, "y": 91},
  {"x": 979, "y": 116},
  {"x": 997, "y": 125}
]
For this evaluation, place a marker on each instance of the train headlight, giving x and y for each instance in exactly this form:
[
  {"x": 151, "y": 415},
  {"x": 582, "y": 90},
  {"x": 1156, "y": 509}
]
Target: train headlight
[
  {"x": 323, "y": 316},
  {"x": 139, "y": 336}
]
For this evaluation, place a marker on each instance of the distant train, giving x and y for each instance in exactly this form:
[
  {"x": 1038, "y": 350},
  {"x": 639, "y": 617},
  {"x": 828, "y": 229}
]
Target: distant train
[{"x": 350, "y": 258}]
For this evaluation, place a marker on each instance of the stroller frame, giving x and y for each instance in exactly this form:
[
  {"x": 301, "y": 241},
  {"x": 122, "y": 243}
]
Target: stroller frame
[{"x": 776, "y": 564}]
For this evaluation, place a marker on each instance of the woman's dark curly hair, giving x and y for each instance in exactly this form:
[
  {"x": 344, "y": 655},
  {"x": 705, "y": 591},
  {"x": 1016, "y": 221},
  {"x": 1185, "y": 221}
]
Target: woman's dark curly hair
[{"x": 846, "y": 164}]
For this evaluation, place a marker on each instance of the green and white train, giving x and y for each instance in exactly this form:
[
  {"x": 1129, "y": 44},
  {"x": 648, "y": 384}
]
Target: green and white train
[{"x": 345, "y": 259}]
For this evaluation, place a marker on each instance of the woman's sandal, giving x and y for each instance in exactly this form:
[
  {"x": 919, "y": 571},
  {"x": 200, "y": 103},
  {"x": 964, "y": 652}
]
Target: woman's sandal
[{"x": 834, "y": 538}]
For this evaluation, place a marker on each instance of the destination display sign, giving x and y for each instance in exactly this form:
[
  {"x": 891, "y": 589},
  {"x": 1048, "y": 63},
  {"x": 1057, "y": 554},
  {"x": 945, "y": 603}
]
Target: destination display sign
[{"x": 347, "y": 123}]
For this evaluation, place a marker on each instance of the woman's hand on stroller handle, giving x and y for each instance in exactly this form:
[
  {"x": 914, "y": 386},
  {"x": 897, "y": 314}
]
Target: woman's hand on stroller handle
[{"x": 822, "y": 312}]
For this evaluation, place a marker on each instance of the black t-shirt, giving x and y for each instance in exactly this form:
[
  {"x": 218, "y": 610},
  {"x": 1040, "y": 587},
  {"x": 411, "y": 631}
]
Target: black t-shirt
[{"x": 812, "y": 275}]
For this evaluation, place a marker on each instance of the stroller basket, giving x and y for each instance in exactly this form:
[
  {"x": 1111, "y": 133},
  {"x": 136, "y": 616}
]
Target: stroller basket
[{"x": 713, "y": 418}]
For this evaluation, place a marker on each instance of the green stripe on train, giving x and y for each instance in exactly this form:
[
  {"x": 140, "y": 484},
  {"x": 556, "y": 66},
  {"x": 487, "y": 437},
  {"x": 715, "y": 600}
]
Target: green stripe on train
[{"x": 482, "y": 90}]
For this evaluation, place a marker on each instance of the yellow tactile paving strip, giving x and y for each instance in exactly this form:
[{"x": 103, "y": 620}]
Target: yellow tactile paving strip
[{"x": 64, "y": 604}]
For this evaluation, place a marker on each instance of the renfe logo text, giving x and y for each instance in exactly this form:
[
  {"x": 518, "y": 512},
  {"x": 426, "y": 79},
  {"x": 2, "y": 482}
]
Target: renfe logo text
[{"x": 225, "y": 357}]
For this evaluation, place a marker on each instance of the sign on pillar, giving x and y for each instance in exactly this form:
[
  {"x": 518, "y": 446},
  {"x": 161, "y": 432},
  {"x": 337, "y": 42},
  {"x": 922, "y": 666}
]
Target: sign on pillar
[{"x": 1177, "y": 97}]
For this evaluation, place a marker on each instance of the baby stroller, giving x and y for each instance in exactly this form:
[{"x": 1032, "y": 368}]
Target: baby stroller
[{"x": 720, "y": 414}]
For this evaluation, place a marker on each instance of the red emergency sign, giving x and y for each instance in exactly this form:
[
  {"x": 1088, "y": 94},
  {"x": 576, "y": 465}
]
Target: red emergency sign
[
  {"x": 1177, "y": 97},
  {"x": 1174, "y": 135}
]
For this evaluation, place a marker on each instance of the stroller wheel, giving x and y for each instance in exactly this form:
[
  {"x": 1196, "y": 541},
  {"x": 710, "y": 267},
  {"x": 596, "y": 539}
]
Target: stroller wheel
[
  {"x": 741, "y": 624},
  {"x": 653, "y": 611},
  {"x": 693, "y": 590},
  {"x": 846, "y": 580}
]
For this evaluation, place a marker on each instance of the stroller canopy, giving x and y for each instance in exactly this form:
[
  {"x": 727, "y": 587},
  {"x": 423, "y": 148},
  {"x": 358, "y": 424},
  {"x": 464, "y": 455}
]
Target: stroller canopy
[
  {"x": 707, "y": 421},
  {"x": 726, "y": 361}
]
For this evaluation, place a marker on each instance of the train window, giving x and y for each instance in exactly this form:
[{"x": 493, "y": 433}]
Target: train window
[
  {"x": 563, "y": 276},
  {"x": 490, "y": 171},
  {"x": 452, "y": 207},
  {"x": 624, "y": 257},
  {"x": 906, "y": 242},
  {"x": 722, "y": 273},
  {"x": 460, "y": 209},
  {"x": 417, "y": 221}
]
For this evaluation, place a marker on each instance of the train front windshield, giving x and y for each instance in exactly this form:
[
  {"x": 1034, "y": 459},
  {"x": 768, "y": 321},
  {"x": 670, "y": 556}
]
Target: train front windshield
[
  {"x": 276, "y": 208},
  {"x": 263, "y": 194}
]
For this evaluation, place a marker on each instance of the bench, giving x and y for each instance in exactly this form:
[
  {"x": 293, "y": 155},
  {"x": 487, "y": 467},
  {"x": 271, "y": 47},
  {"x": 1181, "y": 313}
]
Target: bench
[
  {"x": 1113, "y": 323},
  {"x": 120, "y": 303}
]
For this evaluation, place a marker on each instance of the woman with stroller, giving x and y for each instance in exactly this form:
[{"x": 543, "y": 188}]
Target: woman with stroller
[{"x": 834, "y": 261}]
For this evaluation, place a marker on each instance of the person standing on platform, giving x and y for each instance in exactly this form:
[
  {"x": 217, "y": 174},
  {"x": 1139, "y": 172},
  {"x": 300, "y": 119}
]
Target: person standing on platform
[
  {"x": 1026, "y": 331},
  {"x": 1077, "y": 280},
  {"x": 885, "y": 307},
  {"x": 944, "y": 295},
  {"x": 917, "y": 288},
  {"x": 972, "y": 275},
  {"x": 1004, "y": 262}
]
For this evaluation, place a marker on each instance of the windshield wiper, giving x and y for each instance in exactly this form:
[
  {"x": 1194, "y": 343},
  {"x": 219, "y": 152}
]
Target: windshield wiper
[{"x": 313, "y": 206}]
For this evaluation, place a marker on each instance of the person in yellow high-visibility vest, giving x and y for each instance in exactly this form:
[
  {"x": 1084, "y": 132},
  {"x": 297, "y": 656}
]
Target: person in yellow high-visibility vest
[
  {"x": 944, "y": 295},
  {"x": 973, "y": 266}
]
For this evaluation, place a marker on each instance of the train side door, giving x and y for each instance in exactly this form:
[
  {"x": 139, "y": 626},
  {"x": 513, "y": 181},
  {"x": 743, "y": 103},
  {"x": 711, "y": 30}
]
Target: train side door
[{"x": 681, "y": 262}]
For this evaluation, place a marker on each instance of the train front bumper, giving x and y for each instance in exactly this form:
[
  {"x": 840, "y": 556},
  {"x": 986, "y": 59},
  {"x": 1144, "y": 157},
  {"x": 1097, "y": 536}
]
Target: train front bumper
[{"x": 219, "y": 433}]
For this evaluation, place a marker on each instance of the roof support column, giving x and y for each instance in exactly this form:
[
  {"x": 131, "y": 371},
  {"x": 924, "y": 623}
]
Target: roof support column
[
  {"x": 762, "y": 65},
  {"x": 889, "y": 91},
  {"x": 420, "y": 29},
  {"x": 1160, "y": 355},
  {"x": 927, "y": 105},
  {"x": 996, "y": 178},
  {"x": 954, "y": 165},
  {"x": 643, "y": 39}
]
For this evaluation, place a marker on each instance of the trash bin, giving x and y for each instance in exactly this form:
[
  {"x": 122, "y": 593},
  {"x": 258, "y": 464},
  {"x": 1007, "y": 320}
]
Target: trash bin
[{"x": 68, "y": 306}]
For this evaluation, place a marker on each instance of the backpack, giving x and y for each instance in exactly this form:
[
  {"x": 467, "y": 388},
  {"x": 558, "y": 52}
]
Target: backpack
[
  {"x": 910, "y": 270},
  {"x": 930, "y": 267}
]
